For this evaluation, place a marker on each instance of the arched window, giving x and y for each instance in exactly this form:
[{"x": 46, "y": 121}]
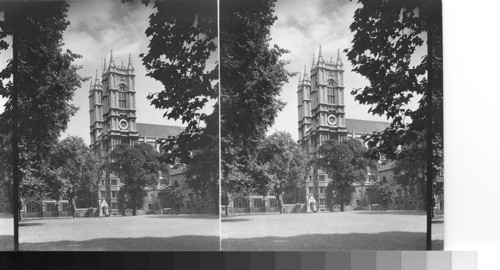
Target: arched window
[
  {"x": 330, "y": 93},
  {"x": 33, "y": 207},
  {"x": 384, "y": 180},
  {"x": 122, "y": 97},
  {"x": 240, "y": 202}
]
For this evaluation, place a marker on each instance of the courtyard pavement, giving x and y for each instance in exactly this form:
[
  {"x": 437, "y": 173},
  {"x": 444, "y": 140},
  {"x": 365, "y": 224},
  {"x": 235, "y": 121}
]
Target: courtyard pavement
[
  {"x": 129, "y": 233},
  {"x": 359, "y": 230}
]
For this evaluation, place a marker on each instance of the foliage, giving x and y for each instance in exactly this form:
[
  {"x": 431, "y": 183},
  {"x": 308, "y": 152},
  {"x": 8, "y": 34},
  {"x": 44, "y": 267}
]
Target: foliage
[
  {"x": 76, "y": 167},
  {"x": 345, "y": 164},
  {"x": 385, "y": 194},
  {"x": 137, "y": 167},
  {"x": 203, "y": 172},
  {"x": 281, "y": 164},
  {"x": 46, "y": 83},
  {"x": 183, "y": 38},
  {"x": 252, "y": 76},
  {"x": 387, "y": 38},
  {"x": 176, "y": 197}
]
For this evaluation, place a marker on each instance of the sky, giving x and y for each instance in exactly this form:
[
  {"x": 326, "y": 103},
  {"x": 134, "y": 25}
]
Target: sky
[{"x": 302, "y": 26}]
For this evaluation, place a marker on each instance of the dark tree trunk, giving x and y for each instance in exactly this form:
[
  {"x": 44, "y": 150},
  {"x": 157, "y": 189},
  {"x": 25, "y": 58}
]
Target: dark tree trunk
[
  {"x": 71, "y": 201},
  {"x": 215, "y": 197},
  {"x": 227, "y": 204}
]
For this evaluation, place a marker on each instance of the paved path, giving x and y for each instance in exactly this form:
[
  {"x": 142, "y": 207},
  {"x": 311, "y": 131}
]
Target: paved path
[
  {"x": 359, "y": 230},
  {"x": 155, "y": 232}
]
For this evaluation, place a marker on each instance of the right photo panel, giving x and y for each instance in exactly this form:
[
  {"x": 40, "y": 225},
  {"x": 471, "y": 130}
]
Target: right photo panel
[{"x": 331, "y": 125}]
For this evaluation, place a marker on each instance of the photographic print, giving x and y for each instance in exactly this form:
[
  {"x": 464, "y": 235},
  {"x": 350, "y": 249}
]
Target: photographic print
[
  {"x": 109, "y": 125},
  {"x": 331, "y": 125}
]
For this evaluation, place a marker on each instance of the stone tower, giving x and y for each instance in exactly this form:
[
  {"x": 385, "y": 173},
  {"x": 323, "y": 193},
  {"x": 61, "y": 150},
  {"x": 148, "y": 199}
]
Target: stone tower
[
  {"x": 112, "y": 119},
  {"x": 321, "y": 117}
]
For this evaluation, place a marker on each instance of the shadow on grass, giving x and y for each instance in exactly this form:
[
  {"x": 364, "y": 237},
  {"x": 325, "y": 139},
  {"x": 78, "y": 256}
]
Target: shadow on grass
[
  {"x": 21, "y": 224},
  {"x": 437, "y": 245},
  {"x": 177, "y": 243},
  {"x": 6, "y": 243},
  {"x": 390, "y": 212},
  {"x": 319, "y": 242},
  {"x": 234, "y": 220},
  {"x": 185, "y": 216}
]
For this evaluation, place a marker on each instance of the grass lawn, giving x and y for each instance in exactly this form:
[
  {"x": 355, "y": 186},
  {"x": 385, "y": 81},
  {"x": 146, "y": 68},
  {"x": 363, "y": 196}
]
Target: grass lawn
[
  {"x": 359, "y": 230},
  {"x": 6, "y": 232},
  {"x": 139, "y": 233}
]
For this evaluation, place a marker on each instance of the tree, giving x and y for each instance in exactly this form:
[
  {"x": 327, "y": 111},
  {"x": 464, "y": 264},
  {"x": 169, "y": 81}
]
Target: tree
[
  {"x": 385, "y": 194},
  {"x": 203, "y": 172},
  {"x": 281, "y": 164},
  {"x": 386, "y": 36},
  {"x": 346, "y": 165},
  {"x": 137, "y": 167},
  {"x": 252, "y": 76},
  {"x": 38, "y": 104},
  {"x": 77, "y": 169},
  {"x": 177, "y": 197},
  {"x": 183, "y": 39}
]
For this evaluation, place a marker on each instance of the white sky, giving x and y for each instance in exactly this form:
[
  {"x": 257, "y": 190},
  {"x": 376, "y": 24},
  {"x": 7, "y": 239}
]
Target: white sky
[{"x": 301, "y": 27}]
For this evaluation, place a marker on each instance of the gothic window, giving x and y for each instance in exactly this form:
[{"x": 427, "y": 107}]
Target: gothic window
[
  {"x": 273, "y": 203},
  {"x": 257, "y": 203},
  {"x": 122, "y": 97},
  {"x": 240, "y": 203},
  {"x": 330, "y": 93}
]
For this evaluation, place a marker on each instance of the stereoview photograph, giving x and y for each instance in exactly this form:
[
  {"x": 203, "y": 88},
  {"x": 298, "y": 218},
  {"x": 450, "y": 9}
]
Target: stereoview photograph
[
  {"x": 331, "y": 125},
  {"x": 109, "y": 126}
]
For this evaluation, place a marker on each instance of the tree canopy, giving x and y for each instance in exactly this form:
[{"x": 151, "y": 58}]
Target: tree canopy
[
  {"x": 38, "y": 106},
  {"x": 76, "y": 169},
  {"x": 388, "y": 37},
  {"x": 252, "y": 76},
  {"x": 280, "y": 164},
  {"x": 345, "y": 164},
  {"x": 138, "y": 168}
]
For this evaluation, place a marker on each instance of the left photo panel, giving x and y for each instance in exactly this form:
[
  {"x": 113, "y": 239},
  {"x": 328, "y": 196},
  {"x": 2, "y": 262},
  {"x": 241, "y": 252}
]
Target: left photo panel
[{"x": 109, "y": 126}]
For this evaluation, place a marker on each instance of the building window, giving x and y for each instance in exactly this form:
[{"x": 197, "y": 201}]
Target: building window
[
  {"x": 102, "y": 182},
  {"x": 51, "y": 207},
  {"x": 66, "y": 207},
  {"x": 322, "y": 190},
  {"x": 114, "y": 206},
  {"x": 330, "y": 93},
  {"x": 322, "y": 178},
  {"x": 322, "y": 202},
  {"x": 33, "y": 207},
  {"x": 258, "y": 203},
  {"x": 310, "y": 190},
  {"x": 103, "y": 194},
  {"x": 240, "y": 203},
  {"x": 113, "y": 182},
  {"x": 113, "y": 194},
  {"x": 122, "y": 98},
  {"x": 273, "y": 203}
]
